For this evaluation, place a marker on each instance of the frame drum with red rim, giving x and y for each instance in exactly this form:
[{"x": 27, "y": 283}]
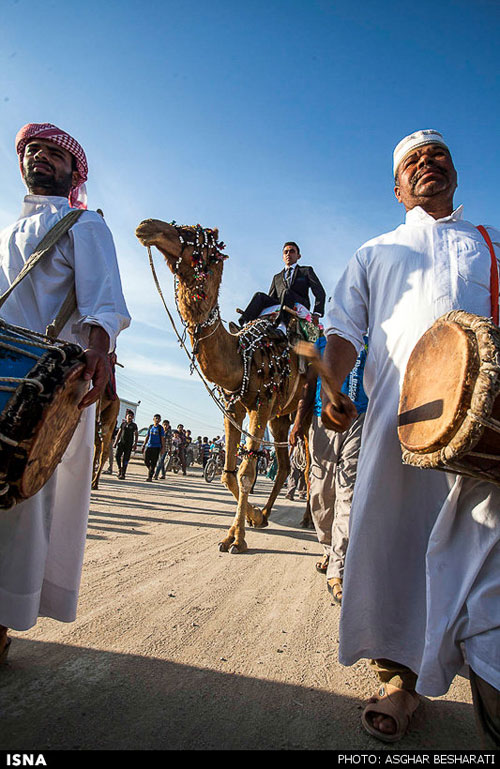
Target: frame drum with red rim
[
  {"x": 449, "y": 417},
  {"x": 41, "y": 386}
]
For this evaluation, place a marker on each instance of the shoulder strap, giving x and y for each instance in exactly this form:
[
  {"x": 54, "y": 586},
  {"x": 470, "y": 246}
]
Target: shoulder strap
[
  {"x": 49, "y": 240},
  {"x": 46, "y": 244},
  {"x": 67, "y": 309},
  {"x": 493, "y": 274}
]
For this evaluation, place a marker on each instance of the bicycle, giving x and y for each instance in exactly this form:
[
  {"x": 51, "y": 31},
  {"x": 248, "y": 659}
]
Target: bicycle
[
  {"x": 214, "y": 466},
  {"x": 263, "y": 463},
  {"x": 174, "y": 462},
  {"x": 189, "y": 456}
]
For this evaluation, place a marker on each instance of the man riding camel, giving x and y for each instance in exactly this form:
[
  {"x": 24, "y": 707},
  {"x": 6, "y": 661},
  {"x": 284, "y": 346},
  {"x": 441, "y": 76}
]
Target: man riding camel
[{"x": 289, "y": 288}]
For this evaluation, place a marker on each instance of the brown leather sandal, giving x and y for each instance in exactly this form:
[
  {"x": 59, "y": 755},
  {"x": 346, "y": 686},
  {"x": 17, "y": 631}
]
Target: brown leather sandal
[
  {"x": 334, "y": 586},
  {"x": 5, "y": 651},
  {"x": 392, "y": 702},
  {"x": 322, "y": 566}
]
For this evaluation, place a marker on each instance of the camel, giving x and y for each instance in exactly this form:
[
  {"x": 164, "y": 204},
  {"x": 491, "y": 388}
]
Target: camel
[
  {"x": 105, "y": 420},
  {"x": 307, "y": 521},
  {"x": 106, "y": 414},
  {"x": 267, "y": 384}
]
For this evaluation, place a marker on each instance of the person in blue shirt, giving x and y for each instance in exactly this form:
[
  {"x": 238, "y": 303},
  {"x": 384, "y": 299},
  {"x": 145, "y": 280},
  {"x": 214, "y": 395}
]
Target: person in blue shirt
[
  {"x": 153, "y": 445},
  {"x": 332, "y": 474},
  {"x": 205, "y": 451}
]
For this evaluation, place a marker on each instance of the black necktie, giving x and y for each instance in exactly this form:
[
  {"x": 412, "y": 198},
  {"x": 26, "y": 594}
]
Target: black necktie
[{"x": 288, "y": 275}]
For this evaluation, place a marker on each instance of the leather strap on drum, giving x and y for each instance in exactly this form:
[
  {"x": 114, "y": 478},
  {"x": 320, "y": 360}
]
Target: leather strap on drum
[
  {"x": 46, "y": 244},
  {"x": 493, "y": 274}
]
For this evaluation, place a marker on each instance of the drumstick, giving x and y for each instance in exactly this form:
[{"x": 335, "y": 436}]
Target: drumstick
[{"x": 309, "y": 351}]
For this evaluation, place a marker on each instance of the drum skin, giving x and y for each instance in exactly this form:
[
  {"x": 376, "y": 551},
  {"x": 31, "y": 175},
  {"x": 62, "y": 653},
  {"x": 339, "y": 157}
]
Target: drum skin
[
  {"x": 437, "y": 388},
  {"x": 449, "y": 410}
]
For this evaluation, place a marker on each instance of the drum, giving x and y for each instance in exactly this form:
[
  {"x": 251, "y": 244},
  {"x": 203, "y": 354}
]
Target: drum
[
  {"x": 449, "y": 410},
  {"x": 40, "y": 387}
]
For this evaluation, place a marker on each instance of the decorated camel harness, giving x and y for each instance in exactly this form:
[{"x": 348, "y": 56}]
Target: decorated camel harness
[{"x": 255, "y": 370}]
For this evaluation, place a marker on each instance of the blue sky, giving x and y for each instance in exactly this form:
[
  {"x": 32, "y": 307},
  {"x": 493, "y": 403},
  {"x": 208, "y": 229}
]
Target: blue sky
[{"x": 272, "y": 120}]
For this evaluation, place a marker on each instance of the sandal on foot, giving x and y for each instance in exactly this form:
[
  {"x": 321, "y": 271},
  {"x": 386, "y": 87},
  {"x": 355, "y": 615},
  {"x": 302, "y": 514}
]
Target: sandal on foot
[
  {"x": 322, "y": 566},
  {"x": 334, "y": 586},
  {"x": 5, "y": 652},
  {"x": 392, "y": 702}
]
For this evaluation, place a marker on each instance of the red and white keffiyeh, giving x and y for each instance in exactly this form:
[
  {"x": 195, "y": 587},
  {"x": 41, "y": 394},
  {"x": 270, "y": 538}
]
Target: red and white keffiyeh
[{"x": 77, "y": 195}]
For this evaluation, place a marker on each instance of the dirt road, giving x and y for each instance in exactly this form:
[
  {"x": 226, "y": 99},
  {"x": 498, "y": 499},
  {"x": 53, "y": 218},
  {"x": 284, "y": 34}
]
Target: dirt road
[{"x": 178, "y": 646}]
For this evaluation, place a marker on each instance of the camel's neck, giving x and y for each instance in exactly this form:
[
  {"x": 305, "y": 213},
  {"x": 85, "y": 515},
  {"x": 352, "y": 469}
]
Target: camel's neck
[
  {"x": 216, "y": 349},
  {"x": 217, "y": 353}
]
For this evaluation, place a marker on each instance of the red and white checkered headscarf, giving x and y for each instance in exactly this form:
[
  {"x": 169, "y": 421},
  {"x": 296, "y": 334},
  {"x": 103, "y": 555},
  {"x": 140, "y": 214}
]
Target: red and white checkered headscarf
[{"x": 77, "y": 195}]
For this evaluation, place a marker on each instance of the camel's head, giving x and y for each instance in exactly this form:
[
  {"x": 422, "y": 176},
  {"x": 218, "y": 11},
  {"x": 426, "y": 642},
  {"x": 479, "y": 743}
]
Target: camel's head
[{"x": 193, "y": 254}]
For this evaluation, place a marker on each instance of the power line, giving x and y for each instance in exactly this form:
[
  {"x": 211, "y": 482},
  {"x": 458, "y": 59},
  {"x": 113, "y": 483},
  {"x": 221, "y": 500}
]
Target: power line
[
  {"x": 146, "y": 391},
  {"x": 150, "y": 398}
]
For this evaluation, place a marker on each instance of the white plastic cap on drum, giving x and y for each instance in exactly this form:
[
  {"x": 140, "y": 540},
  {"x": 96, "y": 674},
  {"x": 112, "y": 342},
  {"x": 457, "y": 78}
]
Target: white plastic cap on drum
[{"x": 414, "y": 140}]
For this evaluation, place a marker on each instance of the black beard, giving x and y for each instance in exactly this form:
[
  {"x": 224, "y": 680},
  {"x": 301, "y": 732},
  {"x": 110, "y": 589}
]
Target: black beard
[{"x": 60, "y": 187}]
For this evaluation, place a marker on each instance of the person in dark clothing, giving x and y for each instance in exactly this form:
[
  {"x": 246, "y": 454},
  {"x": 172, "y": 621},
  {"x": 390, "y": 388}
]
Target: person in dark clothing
[
  {"x": 125, "y": 443},
  {"x": 183, "y": 442},
  {"x": 289, "y": 288}
]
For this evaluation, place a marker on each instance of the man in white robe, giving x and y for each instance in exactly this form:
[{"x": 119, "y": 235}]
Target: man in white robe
[
  {"x": 42, "y": 539},
  {"x": 422, "y": 578}
]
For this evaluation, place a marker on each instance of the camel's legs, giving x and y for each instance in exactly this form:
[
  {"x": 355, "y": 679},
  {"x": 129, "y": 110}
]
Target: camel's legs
[
  {"x": 307, "y": 521},
  {"x": 235, "y": 539},
  {"x": 108, "y": 417},
  {"x": 279, "y": 428},
  {"x": 97, "y": 447},
  {"x": 233, "y": 435}
]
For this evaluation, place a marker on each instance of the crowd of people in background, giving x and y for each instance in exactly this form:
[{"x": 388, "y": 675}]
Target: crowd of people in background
[{"x": 164, "y": 447}]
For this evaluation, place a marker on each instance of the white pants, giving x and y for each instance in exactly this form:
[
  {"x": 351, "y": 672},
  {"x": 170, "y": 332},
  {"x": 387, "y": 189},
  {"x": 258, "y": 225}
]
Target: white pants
[{"x": 43, "y": 539}]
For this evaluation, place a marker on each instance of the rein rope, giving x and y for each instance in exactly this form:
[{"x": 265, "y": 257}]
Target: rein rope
[
  {"x": 212, "y": 318},
  {"x": 299, "y": 457}
]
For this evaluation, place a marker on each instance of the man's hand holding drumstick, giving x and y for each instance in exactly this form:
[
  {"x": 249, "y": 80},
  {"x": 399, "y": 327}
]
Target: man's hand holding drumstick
[{"x": 339, "y": 411}]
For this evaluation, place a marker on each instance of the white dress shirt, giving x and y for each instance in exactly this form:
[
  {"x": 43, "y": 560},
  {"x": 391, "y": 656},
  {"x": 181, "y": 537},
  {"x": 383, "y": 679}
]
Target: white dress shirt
[
  {"x": 44, "y": 537},
  {"x": 419, "y": 576},
  {"x": 86, "y": 255}
]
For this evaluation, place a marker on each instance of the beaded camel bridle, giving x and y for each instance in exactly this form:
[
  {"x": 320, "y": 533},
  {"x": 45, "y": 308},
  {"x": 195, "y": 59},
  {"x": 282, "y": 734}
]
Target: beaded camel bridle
[{"x": 207, "y": 251}]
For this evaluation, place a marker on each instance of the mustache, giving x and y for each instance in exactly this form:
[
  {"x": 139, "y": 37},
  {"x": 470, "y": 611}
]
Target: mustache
[
  {"x": 45, "y": 163},
  {"x": 51, "y": 182},
  {"x": 429, "y": 167}
]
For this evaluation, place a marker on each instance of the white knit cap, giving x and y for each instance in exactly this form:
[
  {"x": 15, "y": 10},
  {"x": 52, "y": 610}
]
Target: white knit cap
[{"x": 417, "y": 139}]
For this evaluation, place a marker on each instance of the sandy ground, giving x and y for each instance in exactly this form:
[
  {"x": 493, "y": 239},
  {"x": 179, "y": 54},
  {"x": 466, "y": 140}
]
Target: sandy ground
[{"x": 178, "y": 646}]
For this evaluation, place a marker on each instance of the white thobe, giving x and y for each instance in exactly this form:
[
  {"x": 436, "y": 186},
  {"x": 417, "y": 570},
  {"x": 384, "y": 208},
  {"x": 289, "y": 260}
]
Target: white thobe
[
  {"x": 422, "y": 575},
  {"x": 42, "y": 539}
]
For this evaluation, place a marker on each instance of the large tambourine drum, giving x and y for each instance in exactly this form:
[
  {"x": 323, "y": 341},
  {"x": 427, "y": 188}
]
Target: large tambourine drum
[
  {"x": 41, "y": 385},
  {"x": 449, "y": 410}
]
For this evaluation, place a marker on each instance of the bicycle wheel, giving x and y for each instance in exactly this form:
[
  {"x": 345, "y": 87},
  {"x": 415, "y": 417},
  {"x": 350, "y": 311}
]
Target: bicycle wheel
[
  {"x": 262, "y": 466},
  {"x": 209, "y": 471}
]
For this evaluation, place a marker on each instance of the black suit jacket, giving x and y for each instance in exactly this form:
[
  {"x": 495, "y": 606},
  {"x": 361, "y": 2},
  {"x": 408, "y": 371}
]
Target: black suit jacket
[{"x": 304, "y": 280}]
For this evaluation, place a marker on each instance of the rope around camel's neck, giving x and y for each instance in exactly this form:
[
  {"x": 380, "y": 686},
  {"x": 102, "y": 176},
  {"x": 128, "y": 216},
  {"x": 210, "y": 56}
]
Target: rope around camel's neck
[{"x": 200, "y": 328}]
